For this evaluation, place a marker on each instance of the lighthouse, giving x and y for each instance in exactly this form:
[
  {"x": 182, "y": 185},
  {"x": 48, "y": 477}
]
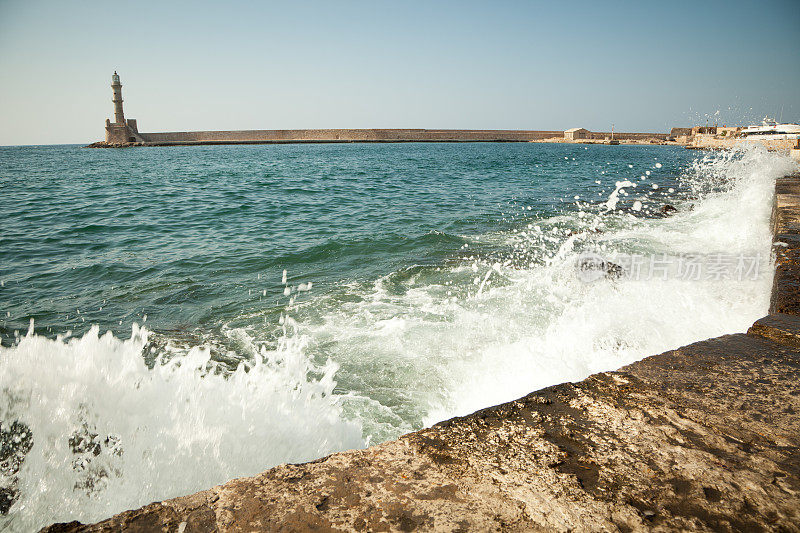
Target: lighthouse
[
  {"x": 116, "y": 86},
  {"x": 121, "y": 130}
]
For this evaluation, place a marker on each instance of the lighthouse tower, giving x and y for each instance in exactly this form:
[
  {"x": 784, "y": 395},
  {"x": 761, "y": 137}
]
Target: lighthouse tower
[
  {"x": 116, "y": 86},
  {"x": 120, "y": 131}
]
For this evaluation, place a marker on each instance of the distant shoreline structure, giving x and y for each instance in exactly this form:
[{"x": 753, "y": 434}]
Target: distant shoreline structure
[{"x": 125, "y": 133}]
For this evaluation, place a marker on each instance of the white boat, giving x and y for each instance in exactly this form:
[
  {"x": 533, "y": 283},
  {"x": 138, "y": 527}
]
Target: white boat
[{"x": 770, "y": 130}]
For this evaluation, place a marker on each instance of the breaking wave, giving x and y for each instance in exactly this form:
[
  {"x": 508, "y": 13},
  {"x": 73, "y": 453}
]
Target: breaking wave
[{"x": 109, "y": 432}]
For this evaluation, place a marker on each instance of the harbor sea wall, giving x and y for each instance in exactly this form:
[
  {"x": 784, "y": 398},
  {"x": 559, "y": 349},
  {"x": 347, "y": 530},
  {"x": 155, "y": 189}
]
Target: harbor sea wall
[
  {"x": 357, "y": 135},
  {"x": 344, "y": 135},
  {"x": 704, "y": 437}
]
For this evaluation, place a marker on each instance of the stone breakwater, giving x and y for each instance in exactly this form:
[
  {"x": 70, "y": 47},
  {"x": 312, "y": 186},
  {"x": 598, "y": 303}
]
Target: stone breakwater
[
  {"x": 348, "y": 136},
  {"x": 704, "y": 437}
]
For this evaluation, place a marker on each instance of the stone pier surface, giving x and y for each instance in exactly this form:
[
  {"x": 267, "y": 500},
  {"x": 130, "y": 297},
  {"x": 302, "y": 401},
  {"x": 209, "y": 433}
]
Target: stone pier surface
[{"x": 705, "y": 437}]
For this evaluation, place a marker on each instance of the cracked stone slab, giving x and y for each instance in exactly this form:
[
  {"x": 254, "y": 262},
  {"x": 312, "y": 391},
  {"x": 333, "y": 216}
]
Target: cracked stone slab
[{"x": 780, "y": 327}]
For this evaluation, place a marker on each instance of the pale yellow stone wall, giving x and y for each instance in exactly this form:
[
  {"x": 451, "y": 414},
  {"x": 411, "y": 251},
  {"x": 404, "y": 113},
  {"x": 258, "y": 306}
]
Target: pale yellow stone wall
[
  {"x": 346, "y": 135},
  {"x": 711, "y": 142}
]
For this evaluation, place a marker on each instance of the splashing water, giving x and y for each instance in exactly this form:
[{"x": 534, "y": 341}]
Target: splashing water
[
  {"x": 96, "y": 424},
  {"x": 111, "y": 433}
]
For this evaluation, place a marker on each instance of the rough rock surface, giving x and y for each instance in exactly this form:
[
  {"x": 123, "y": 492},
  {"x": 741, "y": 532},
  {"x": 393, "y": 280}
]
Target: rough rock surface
[
  {"x": 106, "y": 144},
  {"x": 705, "y": 437}
]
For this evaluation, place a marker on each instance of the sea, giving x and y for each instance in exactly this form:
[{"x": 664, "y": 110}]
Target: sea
[{"x": 174, "y": 317}]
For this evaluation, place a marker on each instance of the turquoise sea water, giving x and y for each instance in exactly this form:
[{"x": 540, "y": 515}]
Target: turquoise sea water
[
  {"x": 192, "y": 236},
  {"x": 276, "y": 303}
]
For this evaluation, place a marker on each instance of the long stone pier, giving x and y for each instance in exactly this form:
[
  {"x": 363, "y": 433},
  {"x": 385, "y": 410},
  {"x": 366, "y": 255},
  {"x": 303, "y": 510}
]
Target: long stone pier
[
  {"x": 705, "y": 437},
  {"x": 322, "y": 136}
]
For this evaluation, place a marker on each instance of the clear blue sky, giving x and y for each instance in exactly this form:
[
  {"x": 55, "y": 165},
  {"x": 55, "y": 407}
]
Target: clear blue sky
[{"x": 196, "y": 65}]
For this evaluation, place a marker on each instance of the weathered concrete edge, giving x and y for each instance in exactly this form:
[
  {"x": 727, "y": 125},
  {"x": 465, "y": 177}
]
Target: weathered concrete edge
[{"x": 702, "y": 437}]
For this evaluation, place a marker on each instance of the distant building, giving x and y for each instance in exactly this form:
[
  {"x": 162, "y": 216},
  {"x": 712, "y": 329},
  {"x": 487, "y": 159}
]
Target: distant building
[
  {"x": 728, "y": 131},
  {"x": 680, "y": 132},
  {"x": 576, "y": 133},
  {"x": 704, "y": 130},
  {"x": 680, "y": 135}
]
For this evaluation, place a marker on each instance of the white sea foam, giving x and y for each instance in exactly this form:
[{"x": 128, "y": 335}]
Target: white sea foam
[
  {"x": 469, "y": 338},
  {"x": 110, "y": 434}
]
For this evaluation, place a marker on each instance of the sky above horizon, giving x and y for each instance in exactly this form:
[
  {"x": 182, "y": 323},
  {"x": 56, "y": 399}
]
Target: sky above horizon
[{"x": 642, "y": 66}]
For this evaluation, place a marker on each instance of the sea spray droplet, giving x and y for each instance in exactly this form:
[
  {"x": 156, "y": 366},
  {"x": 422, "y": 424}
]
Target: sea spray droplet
[
  {"x": 484, "y": 282},
  {"x": 637, "y": 205},
  {"x": 287, "y": 291},
  {"x": 613, "y": 198},
  {"x": 283, "y": 278},
  {"x": 658, "y": 165}
]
